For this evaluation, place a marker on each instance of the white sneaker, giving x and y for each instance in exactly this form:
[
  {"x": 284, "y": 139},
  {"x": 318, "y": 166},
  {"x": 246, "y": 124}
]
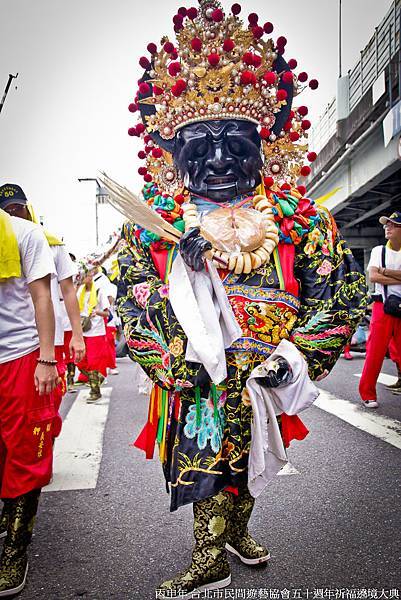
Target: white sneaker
[
  {"x": 113, "y": 371},
  {"x": 370, "y": 403}
]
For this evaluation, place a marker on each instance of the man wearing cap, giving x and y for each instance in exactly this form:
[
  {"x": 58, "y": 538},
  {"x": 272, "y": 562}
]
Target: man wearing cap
[
  {"x": 385, "y": 272},
  {"x": 63, "y": 296},
  {"x": 28, "y": 377}
]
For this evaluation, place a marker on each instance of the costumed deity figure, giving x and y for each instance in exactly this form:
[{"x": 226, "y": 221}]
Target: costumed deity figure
[{"x": 224, "y": 149}]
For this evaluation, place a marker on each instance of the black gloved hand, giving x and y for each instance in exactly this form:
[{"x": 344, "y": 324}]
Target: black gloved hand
[
  {"x": 279, "y": 373},
  {"x": 203, "y": 380},
  {"x": 192, "y": 247}
]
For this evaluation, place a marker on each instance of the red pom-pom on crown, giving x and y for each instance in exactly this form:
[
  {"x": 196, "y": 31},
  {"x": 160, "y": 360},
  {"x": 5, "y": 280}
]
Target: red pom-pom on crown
[
  {"x": 192, "y": 13},
  {"x": 287, "y": 77},
  {"x": 157, "y": 152},
  {"x": 253, "y": 19},
  {"x": 144, "y": 88},
  {"x": 213, "y": 59},
  {"x": 168, "y": 47},
  {"x": 248, "y": 78},
  {"x": 305, "y": 171},
  {"x": 268, "y": 27},
  {"x": 257, "y": 32},
  {"x": 217, "y": 15},
  {"x": 270, "y": 77},
  {"x": 228, "y": 45},
  {"x": 174, "y": 68},
  {"x": 196, "y": 44}
]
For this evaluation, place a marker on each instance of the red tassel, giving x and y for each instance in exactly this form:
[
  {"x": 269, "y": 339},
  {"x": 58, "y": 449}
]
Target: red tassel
[{"x": 292, "y": 428}]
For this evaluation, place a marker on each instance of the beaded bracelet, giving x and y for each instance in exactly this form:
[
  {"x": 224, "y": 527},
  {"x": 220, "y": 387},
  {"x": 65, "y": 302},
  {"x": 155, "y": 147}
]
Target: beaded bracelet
[{"x": 48, "y": 363}]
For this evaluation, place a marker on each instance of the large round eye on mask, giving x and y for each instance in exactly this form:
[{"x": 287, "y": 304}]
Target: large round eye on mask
[{"x": 234, "y": 230}]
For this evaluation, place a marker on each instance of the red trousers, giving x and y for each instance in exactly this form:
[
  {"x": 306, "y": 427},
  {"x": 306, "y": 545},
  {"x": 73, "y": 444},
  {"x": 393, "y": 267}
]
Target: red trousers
[
  {"x": 111, "y": 341},
  {"x": 26, "y": 429},
  {"x": 97, "y": 355},
  {"x": 67, "y": 340},
  {"x": 383, "y": 330},
  {"x": 61, "y": 389}
]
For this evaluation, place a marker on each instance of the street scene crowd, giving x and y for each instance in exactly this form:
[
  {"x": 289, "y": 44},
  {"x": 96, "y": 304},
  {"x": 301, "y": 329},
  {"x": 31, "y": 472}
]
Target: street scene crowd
[
  {"x": 59, "y": 324},
  {"x": 233, "y": 291}
]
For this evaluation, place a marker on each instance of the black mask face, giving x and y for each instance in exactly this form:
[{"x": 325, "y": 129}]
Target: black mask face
[{"x": 219, "y": 159}]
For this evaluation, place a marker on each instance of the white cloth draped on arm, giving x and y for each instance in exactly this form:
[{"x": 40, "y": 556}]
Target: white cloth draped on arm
[{"x": 267, "y": 454}]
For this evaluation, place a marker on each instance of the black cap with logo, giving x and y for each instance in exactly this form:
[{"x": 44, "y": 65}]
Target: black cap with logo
[{"x": 11, "y": 193}]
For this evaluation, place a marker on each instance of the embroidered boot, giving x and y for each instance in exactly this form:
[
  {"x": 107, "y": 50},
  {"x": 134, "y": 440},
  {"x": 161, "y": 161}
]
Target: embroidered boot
[
  {"x": 239, "y": 541},
  {"x": 14, "y": 559},
  {"x": 70, "y": 377},
  {"x": 5, "y": 517},
  {"x": 94, "y": 383},
  {"x": 209, "y": 568}
]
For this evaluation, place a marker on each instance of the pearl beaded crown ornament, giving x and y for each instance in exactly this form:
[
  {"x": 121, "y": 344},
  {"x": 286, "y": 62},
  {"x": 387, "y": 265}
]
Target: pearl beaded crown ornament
[{"x": 220, "y": 68}]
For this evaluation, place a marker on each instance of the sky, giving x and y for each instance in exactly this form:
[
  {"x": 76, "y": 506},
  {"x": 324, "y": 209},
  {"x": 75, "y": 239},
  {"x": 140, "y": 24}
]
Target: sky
[{"x": 66, "y": 115}]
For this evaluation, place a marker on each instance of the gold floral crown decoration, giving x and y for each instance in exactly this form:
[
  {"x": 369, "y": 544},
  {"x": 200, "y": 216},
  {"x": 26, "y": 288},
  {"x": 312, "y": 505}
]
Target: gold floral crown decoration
[{"x": 220, "y": 68}]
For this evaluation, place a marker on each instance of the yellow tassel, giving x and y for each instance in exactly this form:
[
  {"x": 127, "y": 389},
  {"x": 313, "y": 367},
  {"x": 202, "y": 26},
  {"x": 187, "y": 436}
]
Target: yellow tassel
[{"x": 10, "y": 263}]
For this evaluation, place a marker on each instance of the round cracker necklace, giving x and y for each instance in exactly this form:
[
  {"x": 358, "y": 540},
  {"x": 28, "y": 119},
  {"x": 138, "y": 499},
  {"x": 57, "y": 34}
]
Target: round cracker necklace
[{"x": 244, "y": 238}]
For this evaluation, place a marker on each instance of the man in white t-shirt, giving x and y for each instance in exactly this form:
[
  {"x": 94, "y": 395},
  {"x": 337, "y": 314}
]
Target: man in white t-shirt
[
  {"x": 385, "y": 272},
  {"x": 62, "y": 292},
  {"x": 28, "y": 377},
  {"x": 94, "y": 307}
]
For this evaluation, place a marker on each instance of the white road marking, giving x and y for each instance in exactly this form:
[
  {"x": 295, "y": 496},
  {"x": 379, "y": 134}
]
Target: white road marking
[
  {"x": 289, "y": 469},
  {"x": 383, "y": 378},
  {"x": 384, "y": 428},
  {"x": 78, "y": 450}
]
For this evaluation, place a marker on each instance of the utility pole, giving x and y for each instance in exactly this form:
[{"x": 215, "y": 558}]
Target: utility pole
[
  {"x": 340, "y": 24},
  {"x": 10, "y": 78},
  {"x": 101, "y": 198}
]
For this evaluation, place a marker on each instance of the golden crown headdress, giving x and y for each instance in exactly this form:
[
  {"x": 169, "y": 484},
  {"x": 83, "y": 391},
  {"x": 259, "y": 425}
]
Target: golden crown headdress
[{"x": 220, "y": 68}]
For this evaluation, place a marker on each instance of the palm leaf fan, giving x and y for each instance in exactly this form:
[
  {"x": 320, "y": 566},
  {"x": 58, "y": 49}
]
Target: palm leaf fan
[{"x": 137, "y": 210}]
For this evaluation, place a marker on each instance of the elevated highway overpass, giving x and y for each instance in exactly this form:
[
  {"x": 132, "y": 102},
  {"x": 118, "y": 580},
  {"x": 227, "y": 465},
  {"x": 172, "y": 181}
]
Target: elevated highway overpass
[{"x": 357, "y": 174}]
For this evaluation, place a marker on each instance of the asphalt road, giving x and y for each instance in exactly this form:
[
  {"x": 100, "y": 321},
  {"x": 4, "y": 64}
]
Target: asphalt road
[{"x": 334, "y": 525}]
